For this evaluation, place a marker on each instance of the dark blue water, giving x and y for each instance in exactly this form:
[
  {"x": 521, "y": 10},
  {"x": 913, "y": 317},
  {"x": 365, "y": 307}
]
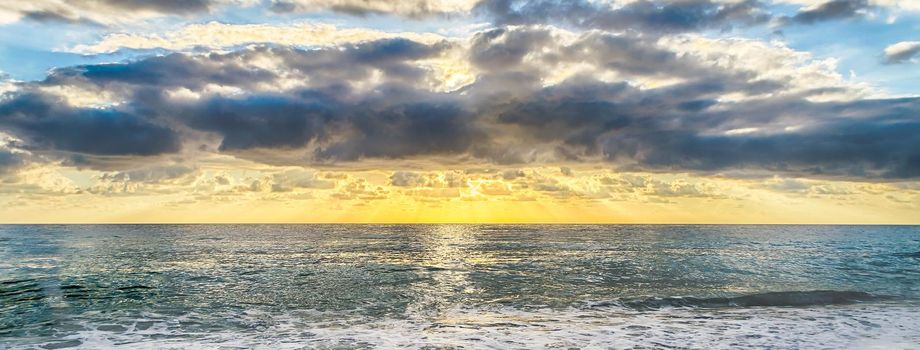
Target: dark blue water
[{"x": 459, "y": 286}]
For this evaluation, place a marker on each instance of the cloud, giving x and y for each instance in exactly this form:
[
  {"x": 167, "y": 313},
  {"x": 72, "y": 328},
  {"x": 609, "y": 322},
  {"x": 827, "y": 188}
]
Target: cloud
[
  {"x": 679, "y": 189},
  {"x": 170, "y": 71},
  {"x": 406, "y": 130},
  {"x": 875, "y": 141},
  {"x": 528, "y": 57},
  {"x": 217, "y": 35},
  {"x": 149, "y": 174},
  {"x": 635, "y": 102},
  {"x": 512, "y": 174},
  {"x": 126, "y": 12},
  {"x": 9, "y": 161},
  {"x": 787, "y": 185},
  {"x": 830, "y": 10},
  {"x": 409, "y": 8},
  {"x": 163, "y": 6},
  {"x": 291, "y": 179},
  {"x": 406, "y": 179},
  {"x": 897, "y": 5},
  {"x": 644, "y": 16},
  {"x": 902, "y": 52},
  {"x": 809, "y": 187},
  {"x": 654, "y": 129},
  {"x": 396, "y": 120},
  {"x": 46, "y": 123},
  {"x": 105, "y": 12},
  {"x": 256, "y": 121},
  {"x": 360, "y": 189}
]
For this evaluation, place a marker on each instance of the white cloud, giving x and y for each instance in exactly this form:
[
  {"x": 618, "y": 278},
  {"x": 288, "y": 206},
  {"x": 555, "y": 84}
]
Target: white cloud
[
  {"x": 6, "y": 85},
  {"x": 910, "y": 5},
  {"x": 771, "y": 61},
  {"x": 217, "y": 35},
  {"x": 902, "y": 52}
]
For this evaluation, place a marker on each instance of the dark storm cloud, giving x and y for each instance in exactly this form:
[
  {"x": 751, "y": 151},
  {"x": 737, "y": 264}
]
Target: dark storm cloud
[
  {"x": 385, "y": 51},
  {"x": 175, "y": 70},
  {"x": 378, "y": 126},
  {"x": 831, "y": 10},
  {"x": 877, "y": 138},
  {"x": 877, "y": 147},
  {"x": 393, "y": 57},
  {"x": 666, "y": 139},
  {"x": 683, "y": 127},
  {"x": 47, "y": 123},
  {"x": 257, "y": 121},
  {"x": 394, "y": 120},
  {"x": 645, "y": 16},
  {"x": 421, "y": 128},
  {"x": 506, "y": 116}
]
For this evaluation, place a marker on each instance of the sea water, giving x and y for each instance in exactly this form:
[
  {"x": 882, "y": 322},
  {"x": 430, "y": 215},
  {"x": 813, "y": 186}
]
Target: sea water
[{"x": 459, "y": 287}]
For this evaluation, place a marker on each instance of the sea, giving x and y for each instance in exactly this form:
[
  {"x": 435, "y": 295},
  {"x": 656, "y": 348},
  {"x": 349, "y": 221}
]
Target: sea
[{"x": 459, "y": 287}]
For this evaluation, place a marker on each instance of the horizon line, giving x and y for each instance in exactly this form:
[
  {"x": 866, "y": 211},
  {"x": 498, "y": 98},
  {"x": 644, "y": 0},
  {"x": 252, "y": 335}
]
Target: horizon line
[{"x": 454, "y": 223}]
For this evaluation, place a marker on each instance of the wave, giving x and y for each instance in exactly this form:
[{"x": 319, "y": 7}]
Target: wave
[
  {"x": 908, "y": 255},
  {"x": 15, "y": 292},
  {"x": 20, "y": 290},
  {"x": 771, "y": 299},
  {"x": 869, "y": 326}
]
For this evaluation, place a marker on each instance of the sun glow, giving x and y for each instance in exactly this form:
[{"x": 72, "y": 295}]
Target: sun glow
[{"x": 476, "y": 195}]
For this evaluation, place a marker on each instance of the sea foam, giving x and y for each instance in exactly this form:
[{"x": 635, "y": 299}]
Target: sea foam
[{"x": 878, "y": 325}]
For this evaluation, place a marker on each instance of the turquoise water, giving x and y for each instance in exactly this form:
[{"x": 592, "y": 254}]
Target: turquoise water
[{"x": 459, "y": 286}]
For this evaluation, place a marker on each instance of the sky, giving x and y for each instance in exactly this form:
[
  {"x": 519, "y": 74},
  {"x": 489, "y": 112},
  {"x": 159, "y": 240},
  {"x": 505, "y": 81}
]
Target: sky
[{"x": 484, "y": 111}]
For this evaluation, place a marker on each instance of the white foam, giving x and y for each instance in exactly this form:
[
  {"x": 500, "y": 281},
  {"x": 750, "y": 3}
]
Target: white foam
[{"x": 858, "y": 326}]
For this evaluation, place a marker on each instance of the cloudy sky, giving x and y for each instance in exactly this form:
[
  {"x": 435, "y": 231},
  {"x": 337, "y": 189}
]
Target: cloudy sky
[{"x": 651, "y": 111}]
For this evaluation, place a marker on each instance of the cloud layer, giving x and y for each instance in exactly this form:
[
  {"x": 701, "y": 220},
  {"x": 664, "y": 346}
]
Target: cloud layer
[{"x": 635, "y": 102}]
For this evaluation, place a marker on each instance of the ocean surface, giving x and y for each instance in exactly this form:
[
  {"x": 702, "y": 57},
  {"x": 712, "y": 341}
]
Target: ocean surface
[{"x": 459, "y": 287}]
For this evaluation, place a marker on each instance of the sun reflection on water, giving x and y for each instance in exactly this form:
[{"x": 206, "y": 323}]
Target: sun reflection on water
[{"x": 451, "y": 253}]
